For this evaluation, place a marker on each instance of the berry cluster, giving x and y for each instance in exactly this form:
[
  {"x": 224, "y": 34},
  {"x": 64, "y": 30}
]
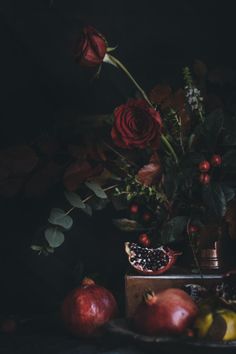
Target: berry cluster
[
  {"x": 146, "y": 217},
  {"x": 205, "y": 166}
]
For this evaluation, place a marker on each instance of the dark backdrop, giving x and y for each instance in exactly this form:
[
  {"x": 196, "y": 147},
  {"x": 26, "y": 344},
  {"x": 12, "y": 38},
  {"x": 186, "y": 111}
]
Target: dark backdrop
[{"x": 40, "y": 82}]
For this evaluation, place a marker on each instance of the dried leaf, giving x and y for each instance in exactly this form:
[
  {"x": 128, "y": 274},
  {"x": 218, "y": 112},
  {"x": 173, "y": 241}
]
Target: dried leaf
[
  {"x": 42, "y": 180},
  {"x": 199, "y": 68},
  {"x": 160, "y": 94},
  {"x": 11, "y": 186},
  {"x": 78, "y": 173},
  {"x": 151, "y": 173},
  {"x": 19, "y": 160}
]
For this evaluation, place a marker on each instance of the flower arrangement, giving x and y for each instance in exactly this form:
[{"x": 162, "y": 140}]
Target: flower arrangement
[{"x": 165, "y": 159}]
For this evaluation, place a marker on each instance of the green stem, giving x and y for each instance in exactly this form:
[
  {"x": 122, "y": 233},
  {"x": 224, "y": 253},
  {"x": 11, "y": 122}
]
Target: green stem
[
  {"x": 112, "y": 60},
  {"x": 91, "y": 196},
  {"x": 169, "y": 147},
  {"x": 118, "y": 64}
]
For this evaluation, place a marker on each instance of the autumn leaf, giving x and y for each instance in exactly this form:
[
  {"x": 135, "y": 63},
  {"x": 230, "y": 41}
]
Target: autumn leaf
[
  {"x": 160, "y": 94},
  {"x": 150, "y": 174},
  {"x": 199, "y": 68},
  {"x": 79, "y": 172},
  {"x": 42, "y": 180},
  {"x": 19, "y": 160}
]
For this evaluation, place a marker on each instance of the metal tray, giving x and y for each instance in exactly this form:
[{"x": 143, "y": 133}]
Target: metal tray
[{"x": 121, "y": 327}]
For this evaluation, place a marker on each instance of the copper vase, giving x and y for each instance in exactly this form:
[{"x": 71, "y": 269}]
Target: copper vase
[{"x": 211, "y": 258}]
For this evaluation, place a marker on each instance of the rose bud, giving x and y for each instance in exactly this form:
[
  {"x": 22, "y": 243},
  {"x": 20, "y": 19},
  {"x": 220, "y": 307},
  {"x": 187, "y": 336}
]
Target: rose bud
[{"x": 91, "y": 49}]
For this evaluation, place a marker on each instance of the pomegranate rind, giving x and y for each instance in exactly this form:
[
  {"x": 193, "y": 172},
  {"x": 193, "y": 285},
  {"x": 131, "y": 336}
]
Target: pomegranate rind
[{"x": 139, "y": 268}]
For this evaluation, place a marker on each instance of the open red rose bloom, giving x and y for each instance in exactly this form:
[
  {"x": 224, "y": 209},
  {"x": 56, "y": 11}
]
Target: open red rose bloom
[{"x": 136, "y": 125}]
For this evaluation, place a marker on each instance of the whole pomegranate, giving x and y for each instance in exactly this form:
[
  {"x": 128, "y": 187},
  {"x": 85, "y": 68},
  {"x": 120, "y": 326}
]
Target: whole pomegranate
[
  {"x": 167, "y": 313},
  {"x": 87, "y": 308}
]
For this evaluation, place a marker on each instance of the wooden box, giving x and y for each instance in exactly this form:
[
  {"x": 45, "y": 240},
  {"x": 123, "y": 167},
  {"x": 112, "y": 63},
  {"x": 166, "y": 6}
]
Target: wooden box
[{"x": 136, "y": 285}]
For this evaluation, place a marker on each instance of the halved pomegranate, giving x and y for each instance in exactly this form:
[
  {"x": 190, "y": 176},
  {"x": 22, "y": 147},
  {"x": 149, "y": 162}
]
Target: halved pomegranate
[{"x": 150, "y": 261}]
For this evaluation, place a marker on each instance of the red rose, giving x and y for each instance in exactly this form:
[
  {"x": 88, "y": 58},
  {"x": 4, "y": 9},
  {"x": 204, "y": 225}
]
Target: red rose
[
  {"x": 136, "y": 125},
  {"x": 92, "y": 48}
]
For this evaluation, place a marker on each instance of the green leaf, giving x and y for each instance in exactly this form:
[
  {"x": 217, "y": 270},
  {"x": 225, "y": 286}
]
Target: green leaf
[
  {"x": 97, "y": 189},
  {"x": 97, "y": 203},
  {"x": 119, "y": 202},
  {"x": 214, "y": 122},
  {"x": 207, "y": 134},
  {"x": 127, "y": 225},
  {"x": 87, "y": 210},
  {"x": 75, "y": 200},
  {"x": 228, "y": 191},
  {"x": 59, "y": 217},
  {"x": 36, "y": 247},
  {"x": 54, "y": 237},
  {"x": 214, "y": 198},
  {"x": 229, "y": 161},
  {"x": 174, "y": 229}
]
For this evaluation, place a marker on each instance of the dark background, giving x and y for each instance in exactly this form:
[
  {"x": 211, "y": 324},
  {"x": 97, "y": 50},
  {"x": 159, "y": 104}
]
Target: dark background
[{"x": 40, "y": 83}]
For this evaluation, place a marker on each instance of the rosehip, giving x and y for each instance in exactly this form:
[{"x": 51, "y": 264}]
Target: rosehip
[
  {"x": 144, "y": 240},
  {"x": 146, "y": 217},
  {"x": 192, "y": 229},
  {"x": 216, "y": 160},
  {"x": 204, "y": 178},
  {"x": 204, "y": 166},
  {"x": 134, "y": 208}
]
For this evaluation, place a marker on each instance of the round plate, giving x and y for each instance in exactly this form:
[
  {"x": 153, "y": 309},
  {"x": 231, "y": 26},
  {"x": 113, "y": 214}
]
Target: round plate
[{"x": 123, "y": 328}]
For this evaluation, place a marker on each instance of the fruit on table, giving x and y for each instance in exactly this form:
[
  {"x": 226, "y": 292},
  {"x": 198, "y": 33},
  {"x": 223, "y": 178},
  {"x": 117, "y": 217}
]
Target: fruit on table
[
  {"x": 168, "y": 312},
  {"x": 150, "y": 261},
  {"x": 87, "y": 308},
  {"x": 216, "y": 325}
]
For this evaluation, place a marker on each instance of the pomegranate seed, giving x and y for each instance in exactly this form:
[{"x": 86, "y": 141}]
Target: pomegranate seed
[
  {"x": 204, "y": 178},
  {"x": 216, "y": 160},
  {"x": 204, "y": 166}
]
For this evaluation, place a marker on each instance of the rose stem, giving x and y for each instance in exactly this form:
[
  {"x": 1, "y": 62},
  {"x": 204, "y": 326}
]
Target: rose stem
[{"x": 114, "y": 61}]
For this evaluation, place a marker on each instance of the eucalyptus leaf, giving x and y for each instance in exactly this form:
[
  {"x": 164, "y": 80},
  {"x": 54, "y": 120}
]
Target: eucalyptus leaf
[
  {"x": 214, "y": 198},
  {"x": 59, "y": 217},
  {"x": 174, "y": 229},
  {"x": 36, "y": 247},
  {"x": 88, "y": 210},
  {"x": 97, "y": 189},
  {"x": 229, "y": 161},
  {"x": 98, "y": 203},
  {"x": 54, "y": 237},
  {"x": 75, "y": 200},
  {"x": 228, "y": 191}
]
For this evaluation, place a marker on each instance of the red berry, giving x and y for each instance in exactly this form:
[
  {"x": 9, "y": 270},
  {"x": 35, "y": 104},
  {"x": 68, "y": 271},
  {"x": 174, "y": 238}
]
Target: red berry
[
  {"x": 146, "y": 217},
  {"x": 204, "y": 178},
  {"x": 192, "y": 229},
  {"x": 216, "y": 160},
  {"x": 204, "y": 166},
  {"x": 144, "y": 240},
  {"x": 134, "y": 208}
]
